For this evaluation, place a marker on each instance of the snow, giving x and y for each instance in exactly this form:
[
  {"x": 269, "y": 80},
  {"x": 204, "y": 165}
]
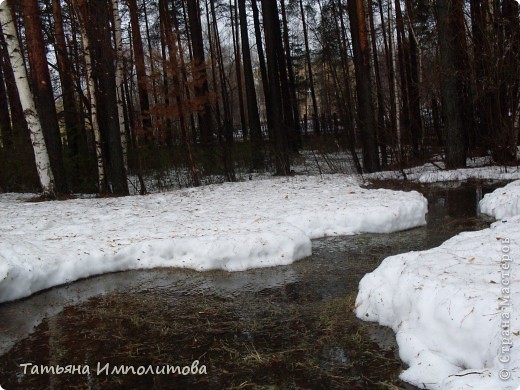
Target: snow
[
  {"x": 503, "y": 202},
  {"x": 232, "y": 227},
  {"x": 435, "y": 172},
  {"x": 448, "y": 305}
]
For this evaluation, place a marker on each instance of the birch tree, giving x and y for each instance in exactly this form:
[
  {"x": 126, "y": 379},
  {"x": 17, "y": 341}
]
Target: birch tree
[
  {"x": 42, "y": 89},
  {"x": 201, "y": 82},
  {"x": 41, "y": 154},
  {"x": 120, "y": 78},
  {"x": 140, "y": 69},
  {"x": 6, "y": 130},
  {"x": 91, "y": 94},
  {"x": 100, "y": 36},
  {"x": 64, "y": 64},
  {"x": 252, "y": 104}
]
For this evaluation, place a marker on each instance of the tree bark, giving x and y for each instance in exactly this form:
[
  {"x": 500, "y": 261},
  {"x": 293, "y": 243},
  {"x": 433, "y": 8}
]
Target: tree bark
[
  {"x": 91, "y": 94},
  {"x": 238, "y": 67},
  {"x": 102, "y": 52},
  {"x": 262, "y": 65},
  {"x": 43, "y": 93},
  {"x": 381, "y": 126},
  {"x": 271, "y": 23},
  {"x": 295, "y": 141},
  {"x": 310, "y": 73},
  {"x": 140, "y": 68},
  {"x": 177, "y": 77},
  {"x": 450, "y": 36},
  {"x": 257, "y": 158},
  {"x": 6, "y": 131},
  {"x": 403, "y": 62},
  {"x": 118, "y": 40},
  {"x": 395, "y": 107},
  {"x": 19, "y": 125},
  {"x": 70, "y": 108},
  {"x": 43, "y": 165},
  {"x": 366, "y": 119},
  {"x": 414, "y": 84},
  {"x": 201, "y": 81},
  {"x": 348, "y": 104},
  {"x": 225, "y": 132}
]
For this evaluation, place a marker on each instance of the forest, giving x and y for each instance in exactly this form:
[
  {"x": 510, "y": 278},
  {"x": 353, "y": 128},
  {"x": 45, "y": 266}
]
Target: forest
[{"x": 93, "y": 92}]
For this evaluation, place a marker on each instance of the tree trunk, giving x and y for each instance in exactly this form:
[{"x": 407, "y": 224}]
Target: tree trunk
[
  {"x": 505, "y": 149},
  {"x": 18, "y": 122},
  {"x": 6, "y": 131},
  {"x": 403, "y": 64},
  {"x": 41, "y": 155},
  {"x": 214, "y": 64},
  {"x": 450, "y": 36},
  {"x": 310, "y": 73},
  {"x": 150, "y": 53},
  {"x": 70, "y": 105},
  {"x": 414, "y": 84},
  {"x": 485, "y": 99},
  {"x": 238, "y": 67},
  {"x": 271, "y": 23},
  {"x": 288, "y": 111},
  {"x": 119, "y": 81},
  {"x": 140, "y": 68},
  {"x": 263, "y": 66},
  {"x": 381, "y": 126},
  {"x": 43, "y": 93},
  {"x": 167, "y": 123},
  {"x": 226, "y": 130},
  {"x": 201, "y": 82},
  {"x": 348, "y": 104},
  {"x": 395, "y": 107},
  {"x": 102, "y": 52},
  {"x": 257, "y": 157},
  {"x": 177, "y": 77},
  {"x": 366, "y": 120},
  {"x": 295, "y": 141},
  {"x": 184, "y": 78},
  {"x": 91, "y": 95}
]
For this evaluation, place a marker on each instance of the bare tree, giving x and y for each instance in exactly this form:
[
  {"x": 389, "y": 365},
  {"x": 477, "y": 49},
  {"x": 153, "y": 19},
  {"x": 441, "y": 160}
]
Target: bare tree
[
  {"x": 450, "y": 28},
  {"x": 43, "y": 93},
  {"x": 43, "y": 164},
  {"x": 366, "y": 119}
]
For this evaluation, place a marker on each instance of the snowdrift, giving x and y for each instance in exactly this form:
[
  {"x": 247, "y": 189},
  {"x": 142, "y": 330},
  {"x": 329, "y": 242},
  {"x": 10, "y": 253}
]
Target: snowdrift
[
  {"x": 232, "y": 227},
  {"x": 455, "y": 308}
]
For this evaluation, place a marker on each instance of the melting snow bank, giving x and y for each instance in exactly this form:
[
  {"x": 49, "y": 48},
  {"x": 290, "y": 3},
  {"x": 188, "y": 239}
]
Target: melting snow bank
[
  {"x": 503, "y": 202},
  {"x": 435, "y": 173},
  {"x": 454, "y": 308},
  {"x": 231, "y": 227}
]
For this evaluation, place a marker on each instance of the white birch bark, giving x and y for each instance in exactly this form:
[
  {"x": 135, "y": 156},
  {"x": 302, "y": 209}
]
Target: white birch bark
[
  {"x": 392, "y": 39},
  {"x": 119, "y": 79},
  {"x": 41, "y": 155},
  {"x": 419, "y": 69},
  {"x": 91, "y": 94}
]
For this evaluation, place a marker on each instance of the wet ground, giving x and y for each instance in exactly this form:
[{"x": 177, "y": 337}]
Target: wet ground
[{"x": 278, "y": 328}]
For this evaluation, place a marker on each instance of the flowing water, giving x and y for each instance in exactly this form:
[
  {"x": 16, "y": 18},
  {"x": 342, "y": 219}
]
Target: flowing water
[{"x": 282, "y": 327}]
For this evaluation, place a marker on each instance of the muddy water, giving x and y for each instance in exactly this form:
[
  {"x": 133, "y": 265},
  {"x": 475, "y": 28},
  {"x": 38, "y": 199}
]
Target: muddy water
[{"x": 283, "y": 327}]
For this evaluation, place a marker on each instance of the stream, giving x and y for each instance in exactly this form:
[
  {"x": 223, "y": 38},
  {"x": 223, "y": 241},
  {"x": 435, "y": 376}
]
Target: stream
[{"x": 285, "y": 327}]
